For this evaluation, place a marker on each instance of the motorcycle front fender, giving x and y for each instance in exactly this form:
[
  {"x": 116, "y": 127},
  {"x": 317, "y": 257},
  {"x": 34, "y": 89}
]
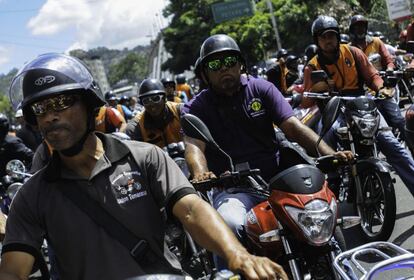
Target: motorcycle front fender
[{"x": 373, "y": 163}]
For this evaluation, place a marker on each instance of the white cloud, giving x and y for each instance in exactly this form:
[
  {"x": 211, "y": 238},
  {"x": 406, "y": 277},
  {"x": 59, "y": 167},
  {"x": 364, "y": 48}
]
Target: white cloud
[
  {"x": 4, "y": 55},
  {"x": 110, "y": 23}
]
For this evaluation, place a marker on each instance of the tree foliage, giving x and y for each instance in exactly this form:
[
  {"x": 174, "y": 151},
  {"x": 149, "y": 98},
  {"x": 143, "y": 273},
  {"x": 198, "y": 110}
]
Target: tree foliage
[
  {"x": 192, "y": 22},
  {"x": 133, "y": 67}
]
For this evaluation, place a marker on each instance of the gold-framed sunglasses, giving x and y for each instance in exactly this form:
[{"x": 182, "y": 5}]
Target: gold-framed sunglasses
[{"x": 58, "y": 103}]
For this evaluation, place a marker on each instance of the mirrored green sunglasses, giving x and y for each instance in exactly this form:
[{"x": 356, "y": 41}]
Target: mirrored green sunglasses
[{"x": 217, "y": 64}]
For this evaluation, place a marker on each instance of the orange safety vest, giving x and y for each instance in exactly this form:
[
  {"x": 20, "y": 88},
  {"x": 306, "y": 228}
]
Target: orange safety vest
[
  {"x": 283, "y": 73},
  {"x": 119, "y": 108},
  {"x": 100, "y": 120},
  {"x": 161, "y": 138},
  {"x": 103, "y": 122},
  {"x": 186, "y": 88},
  {"x": 373, "y": 46},
  {"x": 344, "y": 72}
]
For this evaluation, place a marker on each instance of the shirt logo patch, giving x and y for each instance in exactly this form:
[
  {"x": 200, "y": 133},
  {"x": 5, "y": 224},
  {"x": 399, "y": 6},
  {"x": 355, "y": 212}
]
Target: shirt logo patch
[
  {"x": 255, "y": 107},
  {"x": 128, "y": 187},
  {"x": 347, "y": 62}
]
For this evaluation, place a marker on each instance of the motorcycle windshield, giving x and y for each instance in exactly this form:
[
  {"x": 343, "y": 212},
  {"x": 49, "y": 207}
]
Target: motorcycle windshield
[{"x": 299, "y": 179}]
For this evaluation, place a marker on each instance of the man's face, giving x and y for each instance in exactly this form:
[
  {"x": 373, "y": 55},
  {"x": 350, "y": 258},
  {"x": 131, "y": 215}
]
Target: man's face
[
  {"x": 360, "y": 29},
  {"x": 154, "y": 104},
  {"x": 223, "y": 72},
  {"x": 62, "y": 120},
  {"x": 112, "y": 102},
  {"x": 169, "y": 89},
  {"x": 328, "y": 42}
]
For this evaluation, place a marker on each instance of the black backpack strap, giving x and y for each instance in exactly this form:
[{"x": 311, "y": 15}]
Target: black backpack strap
[{"x": 139, "y": 248}]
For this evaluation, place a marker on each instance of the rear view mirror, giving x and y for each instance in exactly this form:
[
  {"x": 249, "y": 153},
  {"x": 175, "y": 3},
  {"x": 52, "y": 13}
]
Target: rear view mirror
[
  {"x": 195, "y": 128},
  {"x": 330, "y": 114}
]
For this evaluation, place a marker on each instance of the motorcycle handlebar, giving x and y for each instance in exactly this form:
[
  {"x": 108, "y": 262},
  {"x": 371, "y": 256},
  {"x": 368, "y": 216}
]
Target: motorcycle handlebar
[{"x": 226, "y": 180}]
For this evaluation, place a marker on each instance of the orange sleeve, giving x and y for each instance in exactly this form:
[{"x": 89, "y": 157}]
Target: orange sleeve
[{"x": 115, "y": 117}]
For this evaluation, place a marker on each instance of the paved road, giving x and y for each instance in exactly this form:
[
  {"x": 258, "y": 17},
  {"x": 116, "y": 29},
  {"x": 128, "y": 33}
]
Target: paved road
[{"x": 403, "y": 234}]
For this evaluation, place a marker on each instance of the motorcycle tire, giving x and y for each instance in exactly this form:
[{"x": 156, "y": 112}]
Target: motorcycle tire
[
  {"x": 378, "y": 207},
  {"x": 339, "y": 237}
]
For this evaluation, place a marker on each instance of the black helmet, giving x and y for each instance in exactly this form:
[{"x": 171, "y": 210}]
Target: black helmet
[
  {"x": 290, "y": 60},
  {"x": 311, "y": 51},
  {"x": 110, "y": 96},
  {"x": 409, "y": 126},
  {"x": 150, "y": 87},
  {"x": 167, "y": 81},
  {"x": 4, "y": 126},
  {"x": 344, "y": 38},
  {"x": 355, "y": 20},
  {"x": 281, "y": 53},
  {"x": 378, "y": 34},
  {"x": 322, "y": 24},
  {"x": 123, "y": 99},
  {"x": 197, "y": 68},
  {"x": 181, "y": 79},
  {"x": 216, "y": 44},
  {"x": 50, "y": 75}
]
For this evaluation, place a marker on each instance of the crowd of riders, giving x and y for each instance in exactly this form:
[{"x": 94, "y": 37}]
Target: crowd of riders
[{"x": 73, "y": 136}]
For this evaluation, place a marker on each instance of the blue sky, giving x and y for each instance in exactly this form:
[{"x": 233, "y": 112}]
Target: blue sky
[{"x": 29, "y": 28}]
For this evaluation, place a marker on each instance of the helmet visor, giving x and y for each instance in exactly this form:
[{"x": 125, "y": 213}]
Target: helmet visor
[{"x": 78, "y": 77}]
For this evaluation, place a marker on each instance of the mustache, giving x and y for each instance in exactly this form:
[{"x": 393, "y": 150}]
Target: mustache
[{"x": 53, "y": 127}]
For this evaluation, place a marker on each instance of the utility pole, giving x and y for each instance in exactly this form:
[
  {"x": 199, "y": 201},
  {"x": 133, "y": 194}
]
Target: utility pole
[{"x": 272, "y": 17}]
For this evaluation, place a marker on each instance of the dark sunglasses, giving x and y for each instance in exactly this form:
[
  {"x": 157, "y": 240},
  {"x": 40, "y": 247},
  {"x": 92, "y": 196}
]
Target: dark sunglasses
[
  {"x": 151, "y": 99},
  {"x": 217, "y": 64},
  {"x": 58, "y": 103}
]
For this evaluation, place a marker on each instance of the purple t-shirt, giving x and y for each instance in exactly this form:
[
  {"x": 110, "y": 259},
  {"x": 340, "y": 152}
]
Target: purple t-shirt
[{"x": 242, "y": 125}]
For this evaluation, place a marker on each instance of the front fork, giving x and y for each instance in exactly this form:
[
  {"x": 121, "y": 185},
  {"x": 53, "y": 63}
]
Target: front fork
[{"x": 294, "y": 268}]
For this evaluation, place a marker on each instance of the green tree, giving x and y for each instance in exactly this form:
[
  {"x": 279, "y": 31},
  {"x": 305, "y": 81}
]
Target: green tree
[
  {"x": 133, "y": 67},
  {"x": 5, "y": 107}
]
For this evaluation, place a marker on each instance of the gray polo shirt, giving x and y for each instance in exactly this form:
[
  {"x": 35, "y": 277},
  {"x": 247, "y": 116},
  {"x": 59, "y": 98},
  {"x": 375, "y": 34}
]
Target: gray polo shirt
[{"x": 137, "y": 193}]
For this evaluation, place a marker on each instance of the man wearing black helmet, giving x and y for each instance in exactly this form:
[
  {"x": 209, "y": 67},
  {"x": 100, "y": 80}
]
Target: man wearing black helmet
[
  {"x": 348, "y": 68},
  {"x": 277, "y": 73},
  {"x": 159, "y": 123},
  {"x": 240, "y": 112},
  {"x": 170, "y": 93},
  {"x": 100, "y": 202},
  {"x": 182, "y": 86},
  {"x": 11, "y": 147},
  {"x": 388, "y": 107}
]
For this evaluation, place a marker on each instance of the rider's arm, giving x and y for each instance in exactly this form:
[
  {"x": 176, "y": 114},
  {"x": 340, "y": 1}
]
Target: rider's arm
[
  {"x": 368, "y": 72},
  {"x": 307, "y": 85},
  {"x": 16, "y": 265},
  {"x": 386, "y": 58},
  {"x": 133, "y": 130},
  {"x": 304, "y": 136},
  {"x": 195, "y": 158},
  {"x": 209, "y": 230}
]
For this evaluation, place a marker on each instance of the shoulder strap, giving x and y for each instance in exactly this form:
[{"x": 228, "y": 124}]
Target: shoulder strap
[{"x": 139, "y": 248}]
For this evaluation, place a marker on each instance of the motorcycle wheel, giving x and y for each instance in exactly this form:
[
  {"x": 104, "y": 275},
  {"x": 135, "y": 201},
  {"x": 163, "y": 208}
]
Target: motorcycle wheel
[{"x": 378, "y": 207}]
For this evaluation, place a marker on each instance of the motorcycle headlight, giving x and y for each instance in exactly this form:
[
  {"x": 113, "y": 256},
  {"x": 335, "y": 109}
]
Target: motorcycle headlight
[
  {"x": 368, "y": 125},
  {"x": 317, "y": 220}
]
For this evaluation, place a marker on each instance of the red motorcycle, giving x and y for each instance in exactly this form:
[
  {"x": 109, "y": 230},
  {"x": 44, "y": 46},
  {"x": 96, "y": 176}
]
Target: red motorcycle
[{"x": 297, "y": 224}]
